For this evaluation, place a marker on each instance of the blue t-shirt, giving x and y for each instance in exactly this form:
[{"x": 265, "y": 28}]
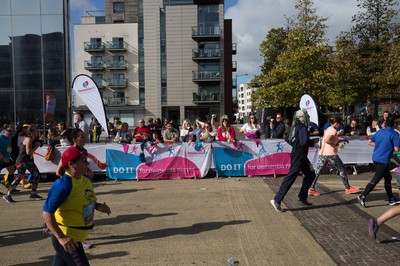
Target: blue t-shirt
[
  {"x": 385, "y": 141},
  {"x": 5, "y": 146}
]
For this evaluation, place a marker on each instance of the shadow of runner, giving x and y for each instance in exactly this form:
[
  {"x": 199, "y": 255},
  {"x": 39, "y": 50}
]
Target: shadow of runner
[
  {"x": 188, "y": 230},
  {"x": 128, "y": 218},
  {"x": 19, "y": 237}
]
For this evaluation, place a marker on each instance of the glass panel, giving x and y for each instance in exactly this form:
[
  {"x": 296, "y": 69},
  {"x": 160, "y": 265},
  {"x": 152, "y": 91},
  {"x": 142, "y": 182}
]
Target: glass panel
[
  {"x": 6, "y": 69},
  {"x": 21, "y": 7},
  {"x": 22, "y": 25},
  {"x": 5, "y": 7},
  {"x": 52, "y": 23},
  {"x": 52, "y": 7},
  {"x": 7, "y": 105}
]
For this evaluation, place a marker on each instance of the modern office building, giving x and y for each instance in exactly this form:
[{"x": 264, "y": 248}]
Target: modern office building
[
  {"x": 177, "y": 62},
  {"x": 35, "y": 71}
]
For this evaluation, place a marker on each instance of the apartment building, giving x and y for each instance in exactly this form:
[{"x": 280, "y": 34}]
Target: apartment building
[
  {"x": 176, "y": 60},
  {"x": 244, "y": 100}
]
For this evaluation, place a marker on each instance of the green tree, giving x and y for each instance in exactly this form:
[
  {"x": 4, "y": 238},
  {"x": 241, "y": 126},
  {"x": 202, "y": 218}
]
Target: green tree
[
  {"x": 270, "y": 49},
  {"x": 373, "y": 33},
  {"x": 302, "y": 66}
]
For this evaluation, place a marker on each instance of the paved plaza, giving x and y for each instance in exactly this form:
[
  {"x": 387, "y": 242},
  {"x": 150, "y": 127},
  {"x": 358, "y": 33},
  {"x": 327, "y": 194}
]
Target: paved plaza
[{"x": 207, "y": 221}]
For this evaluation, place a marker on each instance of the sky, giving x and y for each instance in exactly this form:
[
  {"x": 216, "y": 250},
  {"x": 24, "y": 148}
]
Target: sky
[{"x": 251, "y": 21}]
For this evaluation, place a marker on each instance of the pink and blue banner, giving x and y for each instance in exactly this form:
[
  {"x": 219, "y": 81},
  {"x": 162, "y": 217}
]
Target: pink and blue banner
[
  {"x": 252, "y": 157},
  {"x": 161, "y": 161}
]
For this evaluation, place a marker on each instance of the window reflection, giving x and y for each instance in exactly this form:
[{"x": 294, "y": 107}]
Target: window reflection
[
  {"x": 23, "y": 7},
  {"x": 5, "y": 7}
]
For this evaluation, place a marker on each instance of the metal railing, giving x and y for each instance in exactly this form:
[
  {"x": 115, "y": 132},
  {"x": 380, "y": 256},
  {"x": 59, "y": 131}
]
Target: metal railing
[
  {"x": 206, "y": 31},
  {"x": 116, "y": 46},
  {"x": 121, "y": 83},
  {"x": 92, "y": 65},
  {"x": 206, "y": 53},
  {"x": 206, "y": 75},
  {"x": 115, "y": 100},
  {"x": 93, "y": 46},
  {"x": 123, "y": 64}
]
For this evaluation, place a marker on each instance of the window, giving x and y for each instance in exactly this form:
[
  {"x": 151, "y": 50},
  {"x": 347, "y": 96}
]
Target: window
[{"x": 118, "y": 7}]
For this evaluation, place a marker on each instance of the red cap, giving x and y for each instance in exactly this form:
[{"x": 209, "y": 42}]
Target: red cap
[{"x": 72, "y": 153}]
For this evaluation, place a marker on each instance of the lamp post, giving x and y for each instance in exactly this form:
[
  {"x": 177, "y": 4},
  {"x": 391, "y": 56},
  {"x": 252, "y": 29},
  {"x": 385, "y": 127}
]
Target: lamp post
[{"x": 235, "y": 94}]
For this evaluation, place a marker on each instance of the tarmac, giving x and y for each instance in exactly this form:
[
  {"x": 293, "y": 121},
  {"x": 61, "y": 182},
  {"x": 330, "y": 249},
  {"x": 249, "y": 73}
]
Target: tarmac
[{"x": 208, "y": 221}]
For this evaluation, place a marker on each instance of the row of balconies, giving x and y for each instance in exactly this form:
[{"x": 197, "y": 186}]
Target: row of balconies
[
  {"x": 111, "y": 83},
  {"x": 109, "y": 46},
  {"x": 206, "y": 97},
  {"x": 101, "y": 65}
]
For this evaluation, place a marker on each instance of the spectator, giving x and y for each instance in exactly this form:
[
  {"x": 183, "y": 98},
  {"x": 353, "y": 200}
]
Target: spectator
[
  {"x": 112, "y": 132},
  {"x": 371, "y": 130},
  {"x": 82, "y": 125},
  {"x": 278, "y": 129},
  {"x": 171, "y": 135},
  {"x": 353, "y": 129},
  {"x": 141, "y": 133},
  {"x": 382, "y": 123},
  {"x": 186, "y": 131},
  {"x": 251, "y": 129},
  {"x": 206, "y": 134},
  {"x": 226, "y": 132},
  {"x": 117, "y": 123},
  {"x": 124, "y": 135}
]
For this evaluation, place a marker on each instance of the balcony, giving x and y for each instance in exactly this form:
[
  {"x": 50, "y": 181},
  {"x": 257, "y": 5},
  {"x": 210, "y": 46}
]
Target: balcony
[
  {"x": 116, "y": 46},
  {"x": 101, "y": 83},
  {"x": 234, "y": 66},
  {"x": 206, "y": 76},
  {"x": 94, "y": 65},
  {"x": 93, "y": 47},
  {"x": 206, "y": 54},
  {"x": 117, "y": 83},
  {"x": 115, "y": 101},
  {"x": 234, "y": 83},
  {"x": 117, "y": 65},
  {"x": 206, "y": 33},
  {"x": 234, "y": 47},
  {"x": 207, "y": 97}
]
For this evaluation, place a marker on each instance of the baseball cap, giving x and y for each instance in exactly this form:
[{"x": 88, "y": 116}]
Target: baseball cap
[
  {"x": 72, "y": 153},
  {"x": 26, "y": 125},
  {"x": 116, "y": 118}
]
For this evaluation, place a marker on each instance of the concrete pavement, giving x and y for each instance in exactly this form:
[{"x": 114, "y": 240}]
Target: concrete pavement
[{"x": 207, "y": 221}]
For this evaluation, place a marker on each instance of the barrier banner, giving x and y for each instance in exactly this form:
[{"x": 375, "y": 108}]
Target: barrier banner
[
  {"x": 251, "y": 157},
  {"x": 161, "y": 161},
  {"x": 96, "y": 158}
]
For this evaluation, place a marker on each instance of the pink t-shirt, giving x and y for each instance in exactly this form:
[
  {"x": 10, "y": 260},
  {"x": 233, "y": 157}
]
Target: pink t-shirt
[{"x": 328, "y": 149}]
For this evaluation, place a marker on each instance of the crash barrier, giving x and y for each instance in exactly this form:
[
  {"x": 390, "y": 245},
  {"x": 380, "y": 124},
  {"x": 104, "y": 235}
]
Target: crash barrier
[{"x": 182, "y": 160}]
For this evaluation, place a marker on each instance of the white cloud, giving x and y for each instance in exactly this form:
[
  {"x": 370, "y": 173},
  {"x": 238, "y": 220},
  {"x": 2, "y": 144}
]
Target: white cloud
[{"x": 252, "y": 19}]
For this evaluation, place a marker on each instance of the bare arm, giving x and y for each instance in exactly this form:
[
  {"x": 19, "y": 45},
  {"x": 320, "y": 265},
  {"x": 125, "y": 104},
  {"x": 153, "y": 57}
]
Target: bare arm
[{"x": 68, "y": 243}]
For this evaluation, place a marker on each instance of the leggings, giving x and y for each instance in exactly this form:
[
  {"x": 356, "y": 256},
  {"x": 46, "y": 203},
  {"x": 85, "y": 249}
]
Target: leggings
[
  {"x": 32, "y": 168},
  {"x": 62, "y": 257},
  {"x": 381, "y": 171},
  {"x": 337, "y": 163}
]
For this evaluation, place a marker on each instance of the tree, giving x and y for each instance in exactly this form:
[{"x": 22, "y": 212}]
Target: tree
[
  {"x": 373, "y": 32},
  {"x": 301, "y": 67},
  {"x": 270, "y": 49}
]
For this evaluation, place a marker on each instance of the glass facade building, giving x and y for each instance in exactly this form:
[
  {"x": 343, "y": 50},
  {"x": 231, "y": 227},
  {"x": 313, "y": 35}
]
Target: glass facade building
[{"x": 34, "y": 50}]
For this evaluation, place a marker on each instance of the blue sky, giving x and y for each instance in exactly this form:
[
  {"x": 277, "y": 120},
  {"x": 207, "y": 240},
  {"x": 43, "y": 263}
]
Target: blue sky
[{"x": 252, "y": 19}]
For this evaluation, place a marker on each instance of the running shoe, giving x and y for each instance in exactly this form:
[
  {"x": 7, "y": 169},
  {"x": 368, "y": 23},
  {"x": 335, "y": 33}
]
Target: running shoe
[
  {"x": 313, "y": 192},
  {"x": 372, "y": 227},
  {"x": 8, "y": 198},
  {"x": 361, "y": 200},
  {"x": 352, "y": 190},
  {"x": 393, "y": 202},
  {"x": 86, "y": 245},
  {"x": 277, "y": 206},
  {"x": 35, "y": 197}
]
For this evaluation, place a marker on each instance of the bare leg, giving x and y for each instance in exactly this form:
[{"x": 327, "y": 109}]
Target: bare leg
[{"x": 389, "y": 214}]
